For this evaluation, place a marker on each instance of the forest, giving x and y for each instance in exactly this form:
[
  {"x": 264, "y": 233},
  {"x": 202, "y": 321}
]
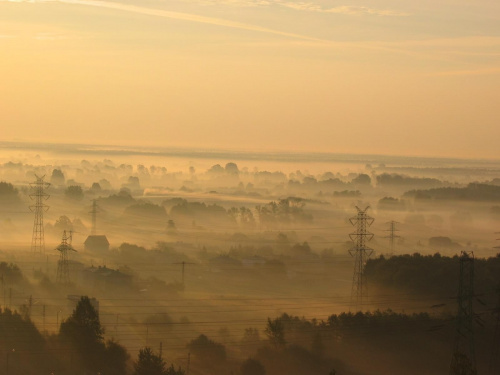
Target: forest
[{"x": 224, "y": 268}]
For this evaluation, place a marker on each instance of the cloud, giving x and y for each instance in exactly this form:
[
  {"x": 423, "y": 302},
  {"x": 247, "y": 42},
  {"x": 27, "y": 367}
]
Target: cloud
[
  {"x": 51, "y": 36},
  {"x": 356, "y": 10},
  {"x": 181, "y": 16},
  {"x": 473, "y": 72},
  {"x": 202, "y": 19},
  {"x": 345, "y": 9},
  {"x": 239, "y": 3},
  {"x": 304, "y": 6},
  {"x": 466, "y": 41}
]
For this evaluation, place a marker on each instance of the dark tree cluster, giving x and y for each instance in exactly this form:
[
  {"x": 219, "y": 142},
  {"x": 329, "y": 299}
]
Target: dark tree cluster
[
  {"x": 285, "y": 211},
  {"x": 433, "y": 275},
  {"x": 78, "y": 348},
  {"x": 388, "y": 180},
  {"x": 474, "y": 192},
  {"x": 9, "y": 195}
]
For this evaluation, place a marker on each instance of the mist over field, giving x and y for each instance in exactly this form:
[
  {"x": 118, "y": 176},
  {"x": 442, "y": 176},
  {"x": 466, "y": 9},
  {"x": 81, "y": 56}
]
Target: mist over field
[
  {"x": 249, "y": 187},
  {"x": 223, "y": 262}
]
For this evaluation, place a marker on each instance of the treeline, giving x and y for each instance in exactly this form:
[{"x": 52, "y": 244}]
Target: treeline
[
  {"x": 472, "y": 192},
  {"x": 384, "y": 339},
  {"x": 433, "y": 275},
  {"x": 388, "y": 180},
  {"x": 78, "y": 348}
]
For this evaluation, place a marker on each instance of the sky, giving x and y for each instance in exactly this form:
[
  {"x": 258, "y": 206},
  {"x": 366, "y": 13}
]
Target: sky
[{"x": 342, "y": 76}]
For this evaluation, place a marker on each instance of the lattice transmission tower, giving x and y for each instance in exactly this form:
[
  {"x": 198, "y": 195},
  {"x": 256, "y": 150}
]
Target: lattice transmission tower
[
  {"x": 183, "y": 271},
  {"x": 463, "y": 361},
  {"x": 361, "y": 253},
  {"x": 62, "y": 276},
  {"x": 39, "y": 196},
  {"x": 392, "y": 234},
  {"x": 494, "y": 366}
]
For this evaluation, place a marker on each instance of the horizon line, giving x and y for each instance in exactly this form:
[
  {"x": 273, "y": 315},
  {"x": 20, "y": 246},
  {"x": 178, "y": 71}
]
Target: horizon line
[{"x": 219, "y": 152}]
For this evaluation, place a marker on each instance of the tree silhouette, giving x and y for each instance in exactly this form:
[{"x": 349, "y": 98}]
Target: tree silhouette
[
  {"x": 252, "y": 367},
  {"x": 275, "y": 331},
  {"x": 83, "y": 331},
  {"x": 116, "y": 357},
  {"x": 149, "y": 363},
  {"x": 74, "y": 192},
  {"x": 207, "y": 351}
]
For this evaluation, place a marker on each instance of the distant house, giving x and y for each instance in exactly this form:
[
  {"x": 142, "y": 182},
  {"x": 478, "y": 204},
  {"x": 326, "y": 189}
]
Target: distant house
[
  {"x": 96, "y": 243},
  {"x": 106, "y": 279}
]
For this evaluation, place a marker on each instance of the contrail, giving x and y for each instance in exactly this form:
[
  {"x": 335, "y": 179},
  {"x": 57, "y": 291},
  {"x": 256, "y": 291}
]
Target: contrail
[
  {"x": 226, "y": 23},
  {"x": 186, "y": 17},
  {"x": 239, "y": 25}
]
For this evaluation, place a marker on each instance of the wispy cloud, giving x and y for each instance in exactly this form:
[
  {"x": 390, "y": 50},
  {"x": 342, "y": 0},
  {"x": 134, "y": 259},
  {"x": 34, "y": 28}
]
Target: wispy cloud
[
  {"x": 239, "y": 3},
  {"x": 431, "y": 49},
  {"x": 52, "y": 36},
  {"x": 305, "y": 6},
  {"x": 182, "y": 16},
  {"x": 345, "y": 9},
  {"x": 472, "y": 72},
  {"x": 198, "y": 18},
  {"x": 465, "y": 41}
]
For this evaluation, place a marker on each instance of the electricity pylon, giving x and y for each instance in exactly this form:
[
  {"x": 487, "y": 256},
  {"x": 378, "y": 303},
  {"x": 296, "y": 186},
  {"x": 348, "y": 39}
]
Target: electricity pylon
[
  {"x": 63, "y": 263},
  {"x": 463, "y": 361},
  {"x": 494, "y": 367},
  {"x": 95, "y": 210},
  {"x": 498, "y": 239},
  {"x": 361, "y": 253},
  {"x": 183, "y": 271},
  {"x": 392, "y": 234},
  {"x": 39, "y": 196}
]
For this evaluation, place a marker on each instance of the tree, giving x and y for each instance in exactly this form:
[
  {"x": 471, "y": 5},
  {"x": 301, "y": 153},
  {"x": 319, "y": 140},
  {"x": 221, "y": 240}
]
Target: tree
[
  {"x": 74, "y": 192},
  {"x": 362, "y": 179},
  {"x": 149, "y": 363},
  {"x": 216, "y": 169},
  {"x": 317, "y": 346},
  {"x": 96, "y": 187},
  {"x": 252, "y": 367},
  {"x": 207, "y": 351},
  {"x": 9, "y": 195},
  {"x": 83, "y": 331},
  {"x": 57, "y": 177},
  {"x": 63, "y": 223},
  {"x": 11, "y": 273},
  {"x": 85, "y": 318},
  {"x": 275, "y": 331},
  {"x": 232, "y": 168},
  {"x": 116, "y": 357}
]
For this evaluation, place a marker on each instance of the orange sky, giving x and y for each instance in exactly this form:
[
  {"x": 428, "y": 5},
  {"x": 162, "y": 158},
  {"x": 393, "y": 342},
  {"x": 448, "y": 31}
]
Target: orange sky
[{"x": 387, "y": 77}]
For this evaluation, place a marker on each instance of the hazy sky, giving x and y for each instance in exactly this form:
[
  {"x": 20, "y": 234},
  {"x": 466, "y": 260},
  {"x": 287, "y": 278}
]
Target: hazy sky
[{"x": 386, "y": 76}]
